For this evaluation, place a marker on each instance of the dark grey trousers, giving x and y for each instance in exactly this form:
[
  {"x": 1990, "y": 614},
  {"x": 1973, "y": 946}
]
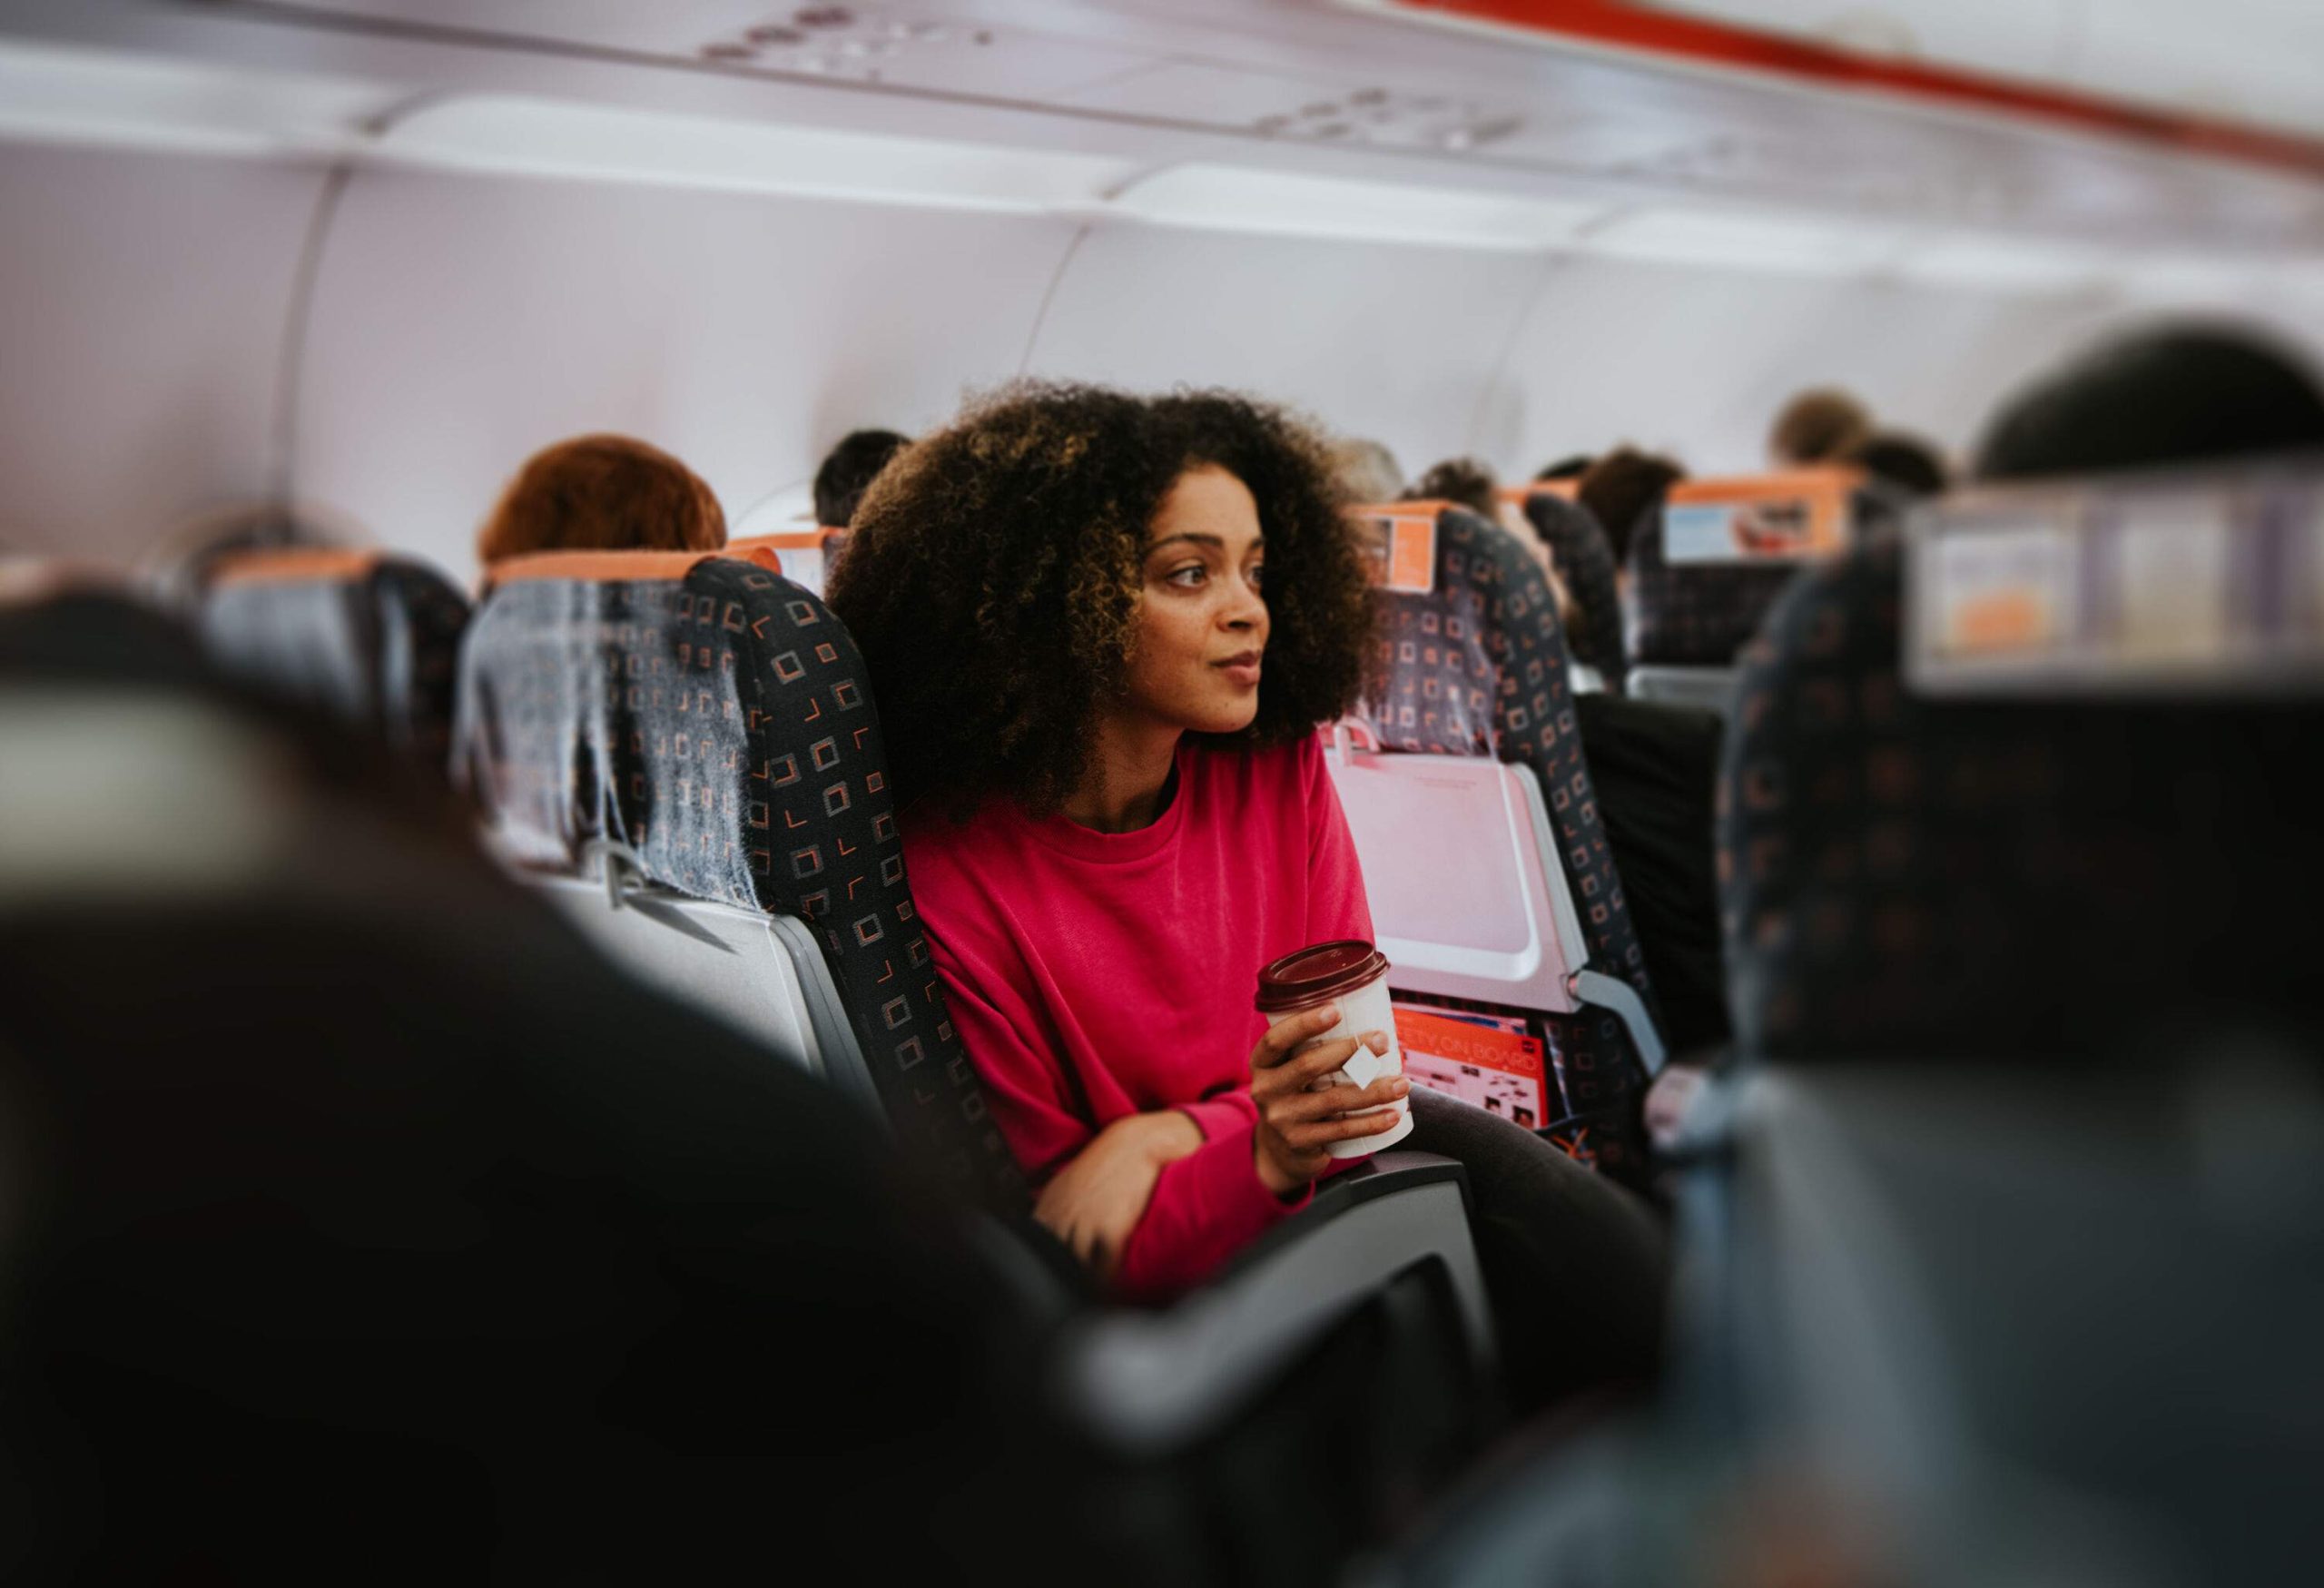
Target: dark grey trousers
[{"x": 1577, "y": 1267}]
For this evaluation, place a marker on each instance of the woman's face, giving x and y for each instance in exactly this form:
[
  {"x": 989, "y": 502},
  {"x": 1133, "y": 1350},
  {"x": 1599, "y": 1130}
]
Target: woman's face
[{"x": 1201, "y": 623}]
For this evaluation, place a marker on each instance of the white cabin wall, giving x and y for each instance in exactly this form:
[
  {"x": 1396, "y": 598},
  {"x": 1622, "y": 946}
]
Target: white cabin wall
[
  {"x": 462, "y": 323},
  {"x": 1518, "y": 358},
  {"x": 1697, "y": 362},
  {"x": 1394, "y": 343},
  {"x": 141, "y": 300}
]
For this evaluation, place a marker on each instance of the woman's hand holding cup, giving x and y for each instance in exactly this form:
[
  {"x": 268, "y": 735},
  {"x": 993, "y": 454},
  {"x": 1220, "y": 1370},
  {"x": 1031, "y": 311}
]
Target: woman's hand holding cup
[{"x": 1298, "y": 1125}]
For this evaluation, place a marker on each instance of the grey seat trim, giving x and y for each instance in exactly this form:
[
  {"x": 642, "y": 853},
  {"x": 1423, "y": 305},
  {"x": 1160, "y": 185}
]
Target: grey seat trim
[
  {"x": 1148, "y": 1382},
  {"x": 1713, "y": 688}
]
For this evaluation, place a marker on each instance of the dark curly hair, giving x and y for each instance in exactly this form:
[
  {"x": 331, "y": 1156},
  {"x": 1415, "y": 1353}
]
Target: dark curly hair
[{"x": 993, "y": 582}]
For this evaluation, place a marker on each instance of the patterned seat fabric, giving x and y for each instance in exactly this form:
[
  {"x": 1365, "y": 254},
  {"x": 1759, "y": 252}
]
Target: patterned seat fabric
[
  {"x": 1695, "y": 615},
  {"x": 1477, "y": 668},
  {"x": 717, "y": 725},
  {"x": 1904, "y": 876},
  {"x": 1585, "y": 560},
  {"x": 375, "y": 640}
]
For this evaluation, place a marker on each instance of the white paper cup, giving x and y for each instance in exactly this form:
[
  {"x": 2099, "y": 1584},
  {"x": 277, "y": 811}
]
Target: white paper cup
[{"x": 1354, "y": 975}]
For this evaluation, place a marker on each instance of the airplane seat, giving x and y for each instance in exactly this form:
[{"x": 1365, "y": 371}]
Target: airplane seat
[
  {"x": 90, "y": 626},
  {"x": 1515, "y": 897},
  {"x": 1924, "y": 870},
  {"x": 372, "y": 638},
  {"x": 352, "y": 1195},
  {"x": 697, "y": 727},
  {"x": 690, "y": 724},
  {"x": 2013, "y": 1196},
  {"x": 1711, "y": 558},
  {"x": 2021, "y": 927},
  {"x": 1585, "y": 560},
  {"x": 1687, "y": 623},
  {"x": 805, "y": 556}
]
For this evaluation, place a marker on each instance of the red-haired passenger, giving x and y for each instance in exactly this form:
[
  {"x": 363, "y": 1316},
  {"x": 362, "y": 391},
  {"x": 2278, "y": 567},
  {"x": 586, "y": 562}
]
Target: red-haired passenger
[{"x": 603, "y": 493}]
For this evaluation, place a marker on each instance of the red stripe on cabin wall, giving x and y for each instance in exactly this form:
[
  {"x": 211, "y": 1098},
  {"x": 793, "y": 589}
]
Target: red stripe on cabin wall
[{"x": 1718, "y": 44}]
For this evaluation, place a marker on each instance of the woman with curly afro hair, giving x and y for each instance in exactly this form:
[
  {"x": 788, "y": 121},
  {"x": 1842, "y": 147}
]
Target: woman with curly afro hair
[{"x": 1101, "y": 630}]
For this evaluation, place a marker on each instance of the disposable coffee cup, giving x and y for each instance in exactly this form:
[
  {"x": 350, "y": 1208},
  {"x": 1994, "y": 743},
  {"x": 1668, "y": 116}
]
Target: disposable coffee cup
[{"x": 1352, "y": 974}]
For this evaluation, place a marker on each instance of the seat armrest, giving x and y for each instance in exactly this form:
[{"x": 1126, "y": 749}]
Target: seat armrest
[
  {"x": 1382, "y": 1175},
  {"x": 1148, "y": 1382}
]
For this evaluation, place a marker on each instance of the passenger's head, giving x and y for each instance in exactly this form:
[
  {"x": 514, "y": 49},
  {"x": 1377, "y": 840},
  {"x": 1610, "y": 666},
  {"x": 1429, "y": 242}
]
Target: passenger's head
[
  {"x": 1818, "y": 425},
  {"x": 1621, "y": 488},
  {"x": 848, "y": 470},
  {"x": 1064, "y": 558},
  {"x": 1572, "y": 468},
  {"x": 2170, "y": 394},
  {"x": 1905, "y": 464},
  {"x": 1463, "y": 481},
  {"x": 1366, "y": 470},
  {"x": 603, "y": 493},
  {"x": 190, "y": 552}
]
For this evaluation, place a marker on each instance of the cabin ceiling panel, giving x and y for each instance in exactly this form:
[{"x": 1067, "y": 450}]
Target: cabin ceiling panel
[
  {"x": 1695, "y": 362},
  {"x": 2252, "y": 60},
  {"x": 1919, "y": 218},
  {"x": 1392, "y": 100},
  {"x": 951, "y": 49},
  {"x": 1173, "y": 137}
]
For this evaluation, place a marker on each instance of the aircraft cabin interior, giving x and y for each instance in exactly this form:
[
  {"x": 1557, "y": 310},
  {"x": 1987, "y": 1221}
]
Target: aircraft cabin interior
[{"x": 1383, "y": 793}]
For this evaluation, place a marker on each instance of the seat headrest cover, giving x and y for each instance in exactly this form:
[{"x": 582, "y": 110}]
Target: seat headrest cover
[
  {"x": 785, "y": 540},
  {"x": 625, "y": 565},
  {"x": 599, "y": 566},
  {"x": 2209, "y": 582},
  {"x": 1753, "y": 518},
  {"x": 1400, "y": 544},
  {"x": 1907, "y": 875},
  {"x": 294, "y": 565}
]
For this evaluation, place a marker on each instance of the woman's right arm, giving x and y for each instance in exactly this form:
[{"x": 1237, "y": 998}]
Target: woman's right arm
[{"x": 1206, "y": 1204}]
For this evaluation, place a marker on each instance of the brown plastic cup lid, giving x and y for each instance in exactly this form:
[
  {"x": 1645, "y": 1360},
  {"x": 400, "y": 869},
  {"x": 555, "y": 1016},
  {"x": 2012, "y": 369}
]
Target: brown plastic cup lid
[{"x": 1318, "y": 973}]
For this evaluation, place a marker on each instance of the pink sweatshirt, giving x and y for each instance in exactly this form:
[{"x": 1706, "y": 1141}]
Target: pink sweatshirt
[{"x": 1095, "y": 974}]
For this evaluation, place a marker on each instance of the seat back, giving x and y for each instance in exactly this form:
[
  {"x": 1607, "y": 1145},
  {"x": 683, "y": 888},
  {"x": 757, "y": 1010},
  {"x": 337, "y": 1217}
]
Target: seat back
[
  {"x": 1473, "y": 666},
  {"x": 2047, "y": 791},
  {"x": 1585, "y": 561},
  {"x": 372, "y": 638},
  {"x": 416, "y": 1218},
  {"x": 1707, "y": 565},
  {"x": 703, "y": 722},
  {"x": 1460, "y": 865},
  {"x": 807, "y": 555}
]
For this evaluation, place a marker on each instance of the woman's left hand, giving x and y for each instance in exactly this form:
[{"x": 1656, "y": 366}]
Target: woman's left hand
[{"x": 1096, "y": 1200}]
